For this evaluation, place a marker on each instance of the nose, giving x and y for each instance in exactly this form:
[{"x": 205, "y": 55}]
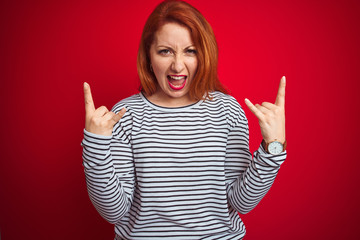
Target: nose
[{"x": 178, "y": 64}]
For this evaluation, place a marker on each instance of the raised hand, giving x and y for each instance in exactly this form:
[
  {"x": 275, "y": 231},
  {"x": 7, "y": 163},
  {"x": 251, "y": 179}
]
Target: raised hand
[
  {"x": 99, "y": 121},
  {"x": 271, "y": 116}
]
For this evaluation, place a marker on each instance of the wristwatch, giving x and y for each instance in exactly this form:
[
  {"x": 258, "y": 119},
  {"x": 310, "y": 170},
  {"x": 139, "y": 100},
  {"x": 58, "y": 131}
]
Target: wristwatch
[{"x": 274, "y": 147}]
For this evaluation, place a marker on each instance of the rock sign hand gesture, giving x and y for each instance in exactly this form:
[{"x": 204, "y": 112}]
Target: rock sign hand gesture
[
  {"x": 99, "y": 121},
  {"x": 271, "y": 116}
]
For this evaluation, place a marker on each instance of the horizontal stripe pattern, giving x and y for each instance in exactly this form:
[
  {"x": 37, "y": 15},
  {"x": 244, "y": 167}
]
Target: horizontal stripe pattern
[{"x": 177, "y": 173}]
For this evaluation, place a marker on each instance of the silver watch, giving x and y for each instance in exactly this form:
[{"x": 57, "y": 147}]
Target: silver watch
[{"x": 274, "y": 147}]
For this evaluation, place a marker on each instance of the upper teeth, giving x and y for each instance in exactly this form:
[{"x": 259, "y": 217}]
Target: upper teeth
[{"x": 177, "y": 77}]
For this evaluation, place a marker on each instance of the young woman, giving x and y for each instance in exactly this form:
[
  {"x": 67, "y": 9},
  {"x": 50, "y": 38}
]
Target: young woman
[{"x": 173, "y": 161}]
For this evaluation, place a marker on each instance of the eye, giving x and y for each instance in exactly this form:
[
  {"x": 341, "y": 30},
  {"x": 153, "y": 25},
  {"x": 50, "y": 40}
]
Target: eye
[
  {"x": 191, "y": 51},
  {"x": 164, "y": 51}
]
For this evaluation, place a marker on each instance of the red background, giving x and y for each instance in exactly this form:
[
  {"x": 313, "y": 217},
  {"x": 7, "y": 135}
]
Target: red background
[{"x": 49, "y": 48}]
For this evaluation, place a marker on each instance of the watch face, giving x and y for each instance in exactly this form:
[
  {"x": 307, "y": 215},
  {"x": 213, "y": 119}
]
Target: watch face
[{"x": 275, "y": 147}]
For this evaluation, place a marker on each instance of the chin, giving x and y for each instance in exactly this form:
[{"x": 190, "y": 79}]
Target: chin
[{"x": 178, "y": 93}]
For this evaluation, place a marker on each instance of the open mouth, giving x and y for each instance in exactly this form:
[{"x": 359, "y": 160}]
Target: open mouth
[{"x": 176, "y": 82}]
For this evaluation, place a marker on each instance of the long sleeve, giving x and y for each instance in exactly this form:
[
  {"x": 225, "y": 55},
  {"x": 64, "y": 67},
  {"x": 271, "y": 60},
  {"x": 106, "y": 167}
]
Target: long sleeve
[
  {"x": 109, "y": 171},
  {"x": 248, "y": 179},
  {"x": 182, "y": 156}
]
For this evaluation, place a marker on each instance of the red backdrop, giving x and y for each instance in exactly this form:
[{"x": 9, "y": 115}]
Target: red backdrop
[{"x": 49, "y": 48}]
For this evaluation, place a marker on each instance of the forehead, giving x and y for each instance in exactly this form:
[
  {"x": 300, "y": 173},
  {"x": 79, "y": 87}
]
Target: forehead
[{"x": 173, "y": 34}]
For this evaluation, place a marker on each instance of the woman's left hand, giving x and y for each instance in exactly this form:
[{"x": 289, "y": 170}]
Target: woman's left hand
[{"x": 271, "y": 116}]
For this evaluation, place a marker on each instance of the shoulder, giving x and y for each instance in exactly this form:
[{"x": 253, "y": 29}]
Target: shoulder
[
  {"x": 224, "y": 98},
  {"x": 131, "y": 102},
  {"x": 227, "y": 102},
  {"x": 123, "y": 128},
  {"x": 229, "y": 105}
]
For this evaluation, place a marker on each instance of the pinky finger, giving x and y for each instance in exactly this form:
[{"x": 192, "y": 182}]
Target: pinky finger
[
  {"x": 254, "y": 109},
  {"x": 119, "y": 115}
]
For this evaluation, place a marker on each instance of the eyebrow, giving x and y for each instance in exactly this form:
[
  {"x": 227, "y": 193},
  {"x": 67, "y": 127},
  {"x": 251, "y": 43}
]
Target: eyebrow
[{"x": 164, "y": 46}]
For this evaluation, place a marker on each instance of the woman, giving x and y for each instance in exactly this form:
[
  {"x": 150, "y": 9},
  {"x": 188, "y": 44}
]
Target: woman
[{"x": 173, "y": 161}]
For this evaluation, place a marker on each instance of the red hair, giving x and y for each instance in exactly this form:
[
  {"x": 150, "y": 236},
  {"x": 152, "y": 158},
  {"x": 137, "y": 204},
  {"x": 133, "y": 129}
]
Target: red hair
[{"x": 206, "y": 79}]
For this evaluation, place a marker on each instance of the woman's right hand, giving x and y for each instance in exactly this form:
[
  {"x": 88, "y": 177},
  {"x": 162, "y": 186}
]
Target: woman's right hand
[{"x": 99, "y": 121}]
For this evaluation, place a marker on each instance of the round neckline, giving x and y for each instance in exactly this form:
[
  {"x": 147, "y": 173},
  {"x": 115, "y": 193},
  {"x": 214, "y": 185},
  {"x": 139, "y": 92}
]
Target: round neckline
[{"x": 168, "y": 109}]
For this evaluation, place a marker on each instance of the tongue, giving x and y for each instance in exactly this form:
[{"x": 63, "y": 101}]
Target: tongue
[{"x": 176, "y": 82}]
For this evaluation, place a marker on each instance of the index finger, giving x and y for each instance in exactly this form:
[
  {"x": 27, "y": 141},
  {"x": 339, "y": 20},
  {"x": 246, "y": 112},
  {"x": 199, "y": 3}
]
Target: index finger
[
  {"x": 89, "y": 103},
  {"x": 280, "y": 98}
]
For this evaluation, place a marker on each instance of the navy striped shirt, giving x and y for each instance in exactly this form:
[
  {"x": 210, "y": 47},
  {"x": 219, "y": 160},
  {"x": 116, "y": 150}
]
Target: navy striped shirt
[{"x": 177, "y": 173}]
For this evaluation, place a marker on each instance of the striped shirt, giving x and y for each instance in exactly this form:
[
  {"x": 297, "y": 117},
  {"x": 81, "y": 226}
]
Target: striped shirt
[{"x": 177, "y": 173}]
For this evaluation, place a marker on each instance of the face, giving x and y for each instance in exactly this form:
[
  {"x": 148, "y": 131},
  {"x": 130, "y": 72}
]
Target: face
[{"x": 174, "y": 61}]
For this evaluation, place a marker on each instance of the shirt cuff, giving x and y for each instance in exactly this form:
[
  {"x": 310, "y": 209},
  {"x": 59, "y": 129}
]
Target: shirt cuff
[{"x": 96, "y": 141}]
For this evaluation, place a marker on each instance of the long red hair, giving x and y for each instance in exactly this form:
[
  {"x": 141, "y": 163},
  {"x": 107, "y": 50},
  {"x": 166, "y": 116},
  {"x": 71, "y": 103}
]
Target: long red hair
[{"x": 206, "y": 79}]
